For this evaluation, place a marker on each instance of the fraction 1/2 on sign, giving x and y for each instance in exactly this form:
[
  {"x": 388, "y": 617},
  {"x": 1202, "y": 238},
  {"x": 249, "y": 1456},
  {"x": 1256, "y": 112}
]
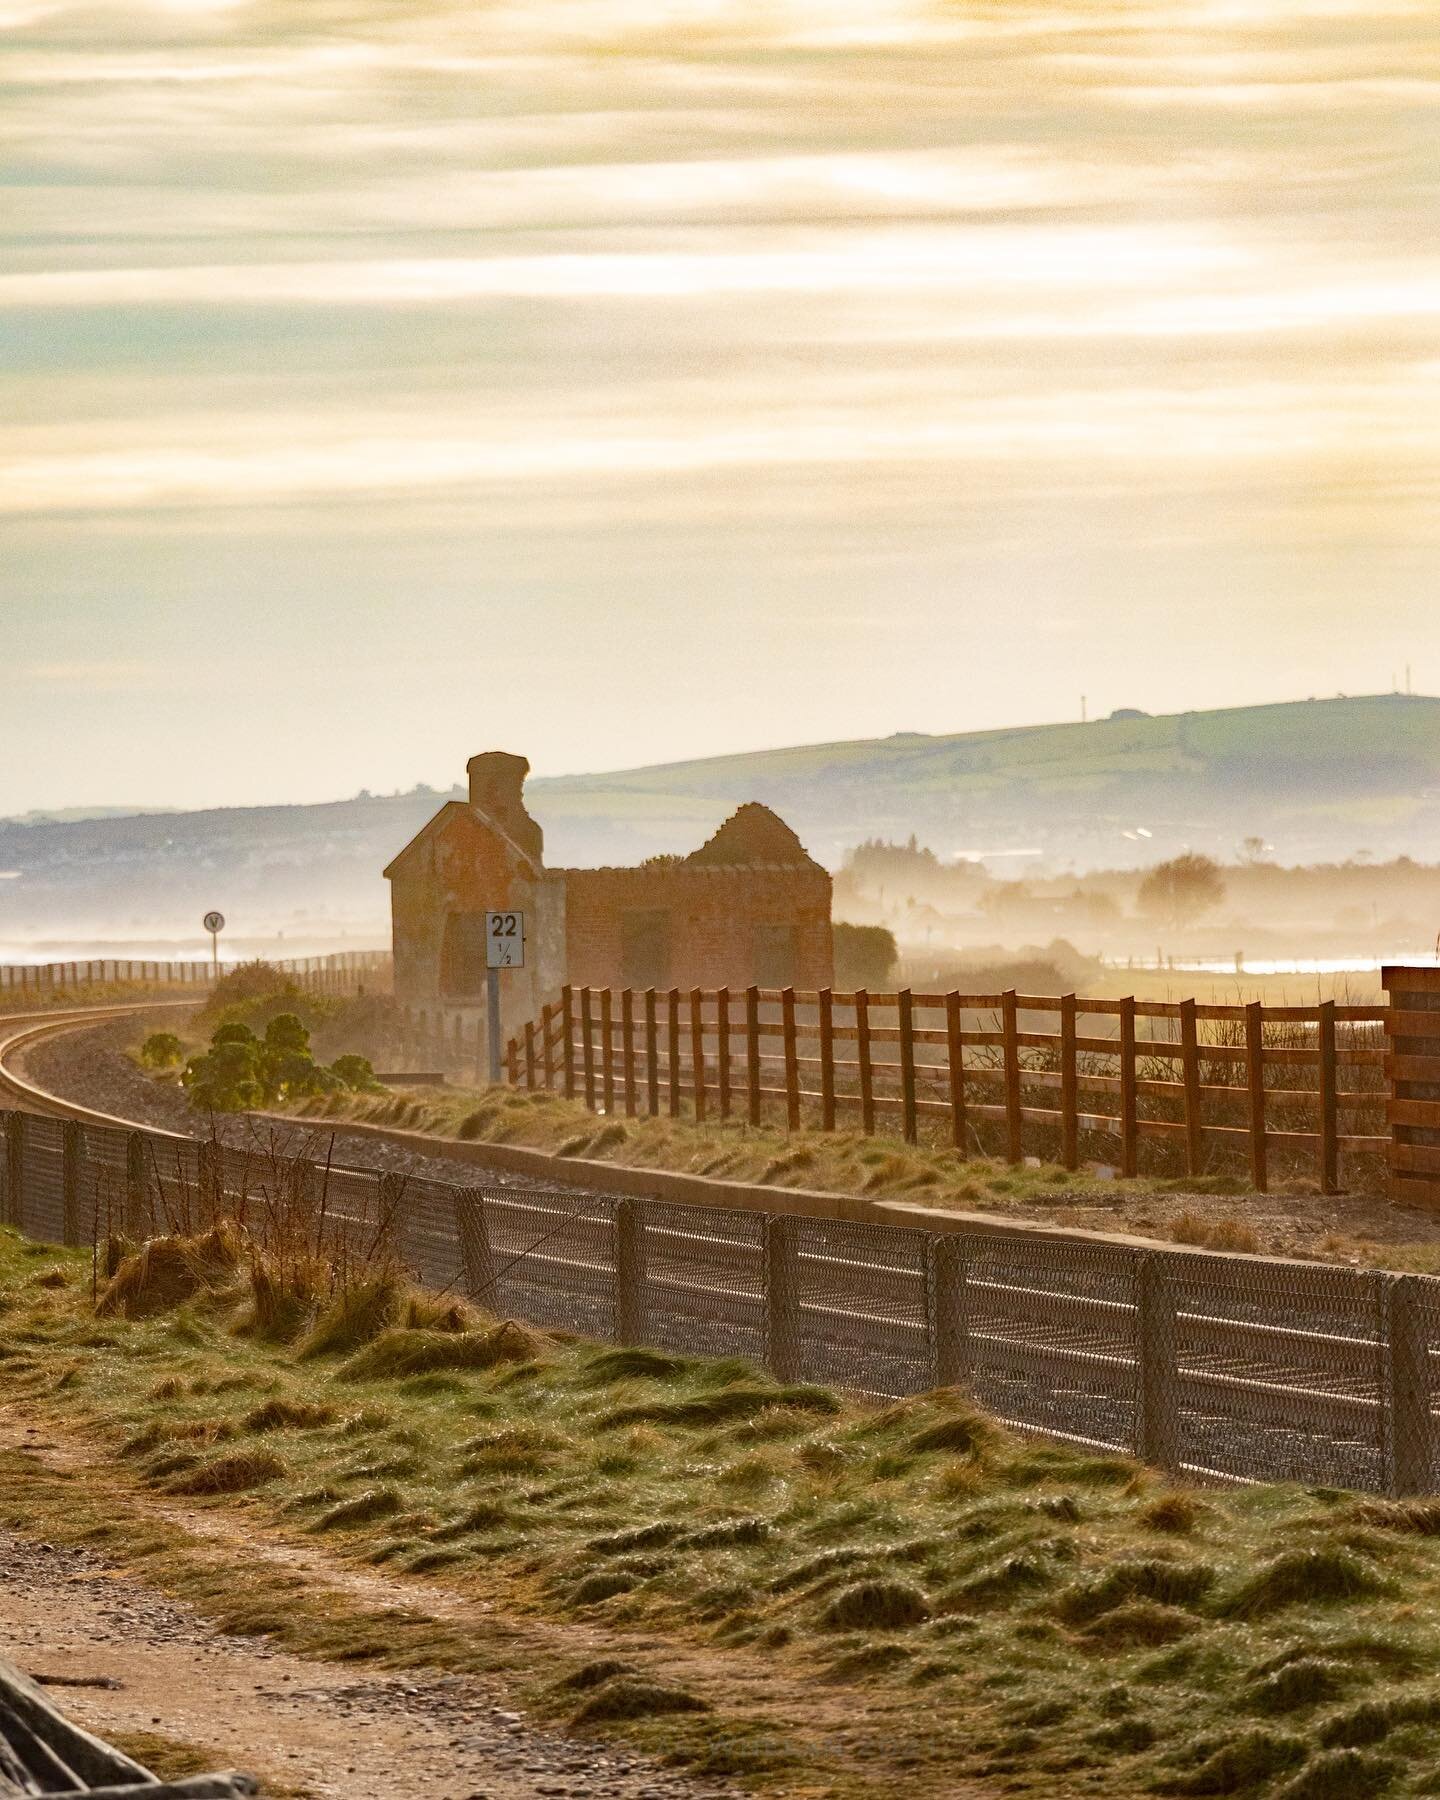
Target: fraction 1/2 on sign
[{"x": 504, "y": 940}]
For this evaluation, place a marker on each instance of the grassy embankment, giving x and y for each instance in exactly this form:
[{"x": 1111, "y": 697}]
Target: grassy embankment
[
  {"x": 1216, "y": 1212},
  {"x": 764, "y": 1582}
]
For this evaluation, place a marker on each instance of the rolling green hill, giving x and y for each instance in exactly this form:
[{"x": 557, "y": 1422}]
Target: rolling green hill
[{"x": 1318, "y": 779}]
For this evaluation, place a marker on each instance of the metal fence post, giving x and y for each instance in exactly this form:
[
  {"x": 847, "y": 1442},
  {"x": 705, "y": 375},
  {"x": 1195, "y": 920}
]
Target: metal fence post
[
  {"x": 1407, "y": 1387},
  {"x": 1157, "y": 1435},
  {"x": 945, "y": 1273},
  {"x": 631, "y": 1309},
  {"x": 72, "y": 1175},
  {"x": 15, "y": 1170},
  {"x": 476, "y": 1256},
  {"x": 782, "y": 1299}
]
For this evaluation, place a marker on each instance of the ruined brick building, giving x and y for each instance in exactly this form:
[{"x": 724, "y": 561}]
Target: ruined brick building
[{"x": 749, "y": 906}]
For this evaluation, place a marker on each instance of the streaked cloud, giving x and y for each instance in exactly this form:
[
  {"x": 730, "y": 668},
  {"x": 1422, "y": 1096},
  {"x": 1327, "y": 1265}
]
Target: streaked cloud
[{"x": 918, "y": 314}]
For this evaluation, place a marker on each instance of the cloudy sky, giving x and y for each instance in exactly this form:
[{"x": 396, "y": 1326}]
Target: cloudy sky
[{"x": 624, "y": 380}]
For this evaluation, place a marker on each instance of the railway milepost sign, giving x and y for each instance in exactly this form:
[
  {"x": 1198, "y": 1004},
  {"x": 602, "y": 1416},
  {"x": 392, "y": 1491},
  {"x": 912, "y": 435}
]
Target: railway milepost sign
[
  {"x": 214, "y": 923},
  {"x": 504, "y": 940},
  {"x": 504, "y": 949}
]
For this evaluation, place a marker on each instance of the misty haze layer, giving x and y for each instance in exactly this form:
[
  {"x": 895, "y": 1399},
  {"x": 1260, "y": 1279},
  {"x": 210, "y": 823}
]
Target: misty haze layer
[{"x": 621, "y": 380}]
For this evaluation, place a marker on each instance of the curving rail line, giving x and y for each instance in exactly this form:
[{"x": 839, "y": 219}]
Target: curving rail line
[
  {"x": 1222, "y": 1367},
  {"x": 20, "y": 1031}
]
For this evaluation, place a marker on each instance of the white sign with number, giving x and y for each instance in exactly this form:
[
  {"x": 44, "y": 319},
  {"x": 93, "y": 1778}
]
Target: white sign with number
[{"x": 504, "y": 940}]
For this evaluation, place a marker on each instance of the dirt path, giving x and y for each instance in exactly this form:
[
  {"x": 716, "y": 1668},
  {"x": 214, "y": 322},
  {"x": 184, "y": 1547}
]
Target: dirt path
[{"x": 305, "y": 1727}]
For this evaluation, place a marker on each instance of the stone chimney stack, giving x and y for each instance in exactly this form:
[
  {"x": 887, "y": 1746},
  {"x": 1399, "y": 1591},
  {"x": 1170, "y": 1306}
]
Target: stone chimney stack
[{"x": 496, "y": 782}]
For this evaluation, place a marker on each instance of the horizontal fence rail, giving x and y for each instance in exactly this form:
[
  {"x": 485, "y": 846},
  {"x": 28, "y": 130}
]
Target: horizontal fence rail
[
  {"x": 341, "y": 973},
  {"x": 1218, "y": 1368},
  {"x": 1148, "y": 1086}
]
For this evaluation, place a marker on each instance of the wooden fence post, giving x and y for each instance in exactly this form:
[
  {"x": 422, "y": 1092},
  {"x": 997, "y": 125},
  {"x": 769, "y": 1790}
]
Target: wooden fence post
[
  {"x": 652, "y": 1055},
  {"x": 627, "y": 1048},
  {"x": 782, "y": 1299},
  {"x": 1190, "y": 1069},
  {"x": 396, "y": 1206},
  {"x": 1255, "y": 1082},
  {"x": 792, "y": 1064},
  {"x": 1129, "y": 1092},
  {"x": 864, "y": 1070},
  {"x": 1010, "y": 1027},
  {"x": 672, "y": 1048},
  {"x": 1411, "y": 1430},
  {"x": 547, "y": 1033},
  {"x": 1157, "y": 1435},
  {"x": 587, "y": 1045},
  {"x": 1329, "y": 1101},
  {"x": 905, "y": 1016},
  {"x": 15, "y": 1170},
  {"x": 210, "y": 1179},
  {"x": 72, "y": 1176},
  {"x": 530, "y": 1082},
  {"x": 697, "y": 1052},
  {"x": 827, "y": 1059},
  {"x": 607, "y": 1051},
  {"x": 945, "y": 1272},
  {"x": 136, "y": 1209},
  {"x": 752, "y": 1053},
  {"x": 1412, "y": 1067},
  {"x": 1069, "y": 1084},
  {"x": 567, "y": 1018},
  {"x": 476, "y": 1256},
  {"x": 722, "y": 1048},
  {"x": 955, "y": 1057},
  {"x": 631, "y": 1309},
  {"x": 512, "y": 1061}
]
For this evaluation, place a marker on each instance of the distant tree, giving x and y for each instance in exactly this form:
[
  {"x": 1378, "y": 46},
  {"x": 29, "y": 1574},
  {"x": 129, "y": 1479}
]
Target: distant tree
[
  {"x": 1252, "y": 851},
  {"x": 865, "y": 956},
  {"x": 1178, "y": 891}
]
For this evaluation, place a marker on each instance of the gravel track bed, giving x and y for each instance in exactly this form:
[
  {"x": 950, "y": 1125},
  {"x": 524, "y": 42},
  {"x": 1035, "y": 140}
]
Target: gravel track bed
[{"x": 93, "y": 1069}]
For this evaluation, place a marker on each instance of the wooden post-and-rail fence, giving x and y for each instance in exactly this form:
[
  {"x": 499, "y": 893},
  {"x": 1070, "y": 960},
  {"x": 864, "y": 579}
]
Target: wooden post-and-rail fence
[
  {"x": 1177, "y": 1085},
  {"x": 341, "y": 972}
]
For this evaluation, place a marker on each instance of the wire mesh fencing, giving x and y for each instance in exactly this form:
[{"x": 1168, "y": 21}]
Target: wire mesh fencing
[{"x": 1215, "y": 1367}]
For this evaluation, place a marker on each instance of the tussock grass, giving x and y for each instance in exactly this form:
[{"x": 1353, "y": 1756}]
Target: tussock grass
[
  {"x": 878, "y": 1605},
  {"x": 1303, "y": 1577},
  {"x": 1058, "y": 1622},
  {"x": 630, "y": 1697},
  {"x": 399, "y": 1352},
  {"x": 234, "y": 1473}
]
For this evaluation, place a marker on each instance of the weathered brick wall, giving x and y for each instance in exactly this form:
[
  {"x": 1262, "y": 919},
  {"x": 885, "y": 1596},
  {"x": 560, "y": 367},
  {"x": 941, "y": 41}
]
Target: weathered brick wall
[
  {"x": 463, "y": 867},
  {"x": 716, "y": 915}
]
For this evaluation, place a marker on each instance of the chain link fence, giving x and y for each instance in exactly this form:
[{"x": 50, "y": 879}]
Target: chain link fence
[{"x": 1217, "y": 1368}]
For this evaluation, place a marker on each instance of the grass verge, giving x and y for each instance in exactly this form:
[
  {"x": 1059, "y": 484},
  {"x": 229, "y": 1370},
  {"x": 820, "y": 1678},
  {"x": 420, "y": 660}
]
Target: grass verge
[{"x": 753, "y": 1581}]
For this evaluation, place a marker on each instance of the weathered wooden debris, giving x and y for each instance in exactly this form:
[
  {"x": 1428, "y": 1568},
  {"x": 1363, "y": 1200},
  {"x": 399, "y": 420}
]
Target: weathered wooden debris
[{"x": 43, "y": 1752}]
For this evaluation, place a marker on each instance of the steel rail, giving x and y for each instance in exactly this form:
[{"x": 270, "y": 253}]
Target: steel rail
[{"x": 1213, "y": 1369}]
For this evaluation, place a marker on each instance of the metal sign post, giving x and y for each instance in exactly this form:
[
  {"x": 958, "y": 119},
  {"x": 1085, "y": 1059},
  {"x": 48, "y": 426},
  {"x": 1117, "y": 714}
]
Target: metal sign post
[
  {"x": 214, "y": 923},
  {"x": 504, "y": 949}
]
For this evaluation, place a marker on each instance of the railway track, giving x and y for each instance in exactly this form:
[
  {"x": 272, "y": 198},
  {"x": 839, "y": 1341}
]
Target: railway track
[
  {"x": 19, "y": 1032},
  {"x": 1223, "y": 1368}
]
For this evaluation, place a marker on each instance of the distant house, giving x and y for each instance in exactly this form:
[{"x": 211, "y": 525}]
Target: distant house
[{"x": 750, "y": 906}]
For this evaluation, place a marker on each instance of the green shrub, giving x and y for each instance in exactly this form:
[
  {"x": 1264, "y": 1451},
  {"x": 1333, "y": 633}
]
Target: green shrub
[{"x": 161, "y": 1050}]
